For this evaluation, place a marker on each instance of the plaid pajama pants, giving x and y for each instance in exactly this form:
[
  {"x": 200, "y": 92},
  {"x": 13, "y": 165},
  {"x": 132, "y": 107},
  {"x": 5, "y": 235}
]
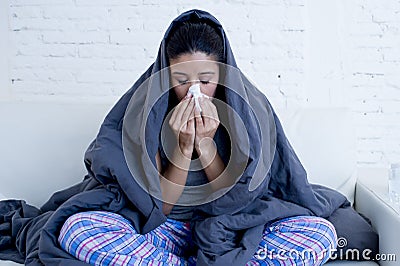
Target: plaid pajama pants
[{"x": 104, "y": 238}]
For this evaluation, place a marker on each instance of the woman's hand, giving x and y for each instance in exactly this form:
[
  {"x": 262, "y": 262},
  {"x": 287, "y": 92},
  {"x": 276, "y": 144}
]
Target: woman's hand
[
  {"x": 206, "y": 125},
  {"x": 183, "y": 125}
]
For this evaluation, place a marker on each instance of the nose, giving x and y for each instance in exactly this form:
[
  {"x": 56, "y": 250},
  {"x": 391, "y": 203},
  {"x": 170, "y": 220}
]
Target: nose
[{"x": 196, "y": 81}]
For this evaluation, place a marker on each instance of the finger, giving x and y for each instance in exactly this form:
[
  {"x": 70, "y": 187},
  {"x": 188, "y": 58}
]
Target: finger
[
  {"x": 205, "y": 107},
  {"x": 211, "y": 120},
  {"x": 206, "y": 111},
  {"x": 191, "y": 120},
  {"x": 198, "y": 118},
  {"x": 180, "y": 109},
  {"x": 192, "y": 114},
  {"x": 212, "y": 109},
  {"x": 188, "y": 111},
  {"x": 175, "y": 110}
]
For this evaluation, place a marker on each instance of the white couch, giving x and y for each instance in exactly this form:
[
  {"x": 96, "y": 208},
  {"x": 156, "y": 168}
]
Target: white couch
[{"x": 42, "y": 146}]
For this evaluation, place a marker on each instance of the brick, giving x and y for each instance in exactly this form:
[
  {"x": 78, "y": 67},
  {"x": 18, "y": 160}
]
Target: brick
[
  {"x": 157, "y": 25},
  {"x": 377, "y": 119},
  {"x": 362, "y": 14},
  {"x": 369, "y": 131},
  {"x": 102, "y": 76},
  {"x": 360, "y": 92},
  {"x": 366, "y": 144},
  {"x": 62, "y": 62},
  {"x": 392, "y": 156},
  {"x": 392, "y": 132},
  {"x": 124, "y": 12},
  {"x": 238, "y": 38},
  {"x": 367, "y": 79},
  {"x": 366, "y": 29},
  {"x": 110, "y": 51},
  {"x": 369, "y": 157},
  {"x": 391, "y": 107},
  {"x": 47, "y": 75},
  {"x": 391, "y": 54},
  {"x": 385, "y": 15},
  {"x": 23, "y": 3},
  {"x": 34, "y": 24},
  {"x": 57, "y": 12},
  {"x": 294, "y": 18},
  {"x": 137, "y": 37},
  {"x": 75, "y": 37},
  {"x": 91, "y": 25},
  {"x": 392, "y": 82},
  {"x": 131, "y": 64},
  {"x": 26, "y": 37},
  {"x": 108, "y": 3},
  {"x": 22, "y": 12},
  {"x": 157, "y": 12},
  {"x": 53, "y": 50},
  {"x": 371, "y": 68},
  {"x": 267, "y": 17},
  {"x": 368, "y": 54},
  {"x": 237, "y": 19},
  {"x": 366, "y": 106},
  {"x": 385, "y": 5}
]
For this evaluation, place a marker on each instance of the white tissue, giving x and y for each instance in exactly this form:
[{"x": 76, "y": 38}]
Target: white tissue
[{"x": 195, "y": 91}]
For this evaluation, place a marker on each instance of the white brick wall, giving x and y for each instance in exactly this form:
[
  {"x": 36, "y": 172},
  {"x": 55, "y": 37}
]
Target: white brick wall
[
  {"x": 373, "y": 78},
  {"x": 299, "y": 52}
]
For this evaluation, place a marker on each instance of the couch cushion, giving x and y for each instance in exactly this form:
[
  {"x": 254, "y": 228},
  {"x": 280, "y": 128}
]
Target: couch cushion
[
  {"x": 43, "y": 144},
  {"x": 324, "y": 142}
]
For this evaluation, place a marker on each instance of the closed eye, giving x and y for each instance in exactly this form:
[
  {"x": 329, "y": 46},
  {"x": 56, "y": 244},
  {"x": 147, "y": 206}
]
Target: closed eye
[
  {"x": 204, "y": 81},
  {"x": 182, "y": 82}
]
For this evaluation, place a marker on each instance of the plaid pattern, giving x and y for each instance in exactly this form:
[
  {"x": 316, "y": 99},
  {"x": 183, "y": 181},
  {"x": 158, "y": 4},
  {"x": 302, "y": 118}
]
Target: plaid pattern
[
  {"x": 104, "y": 238},
  {"x": 300, "y": 240}
]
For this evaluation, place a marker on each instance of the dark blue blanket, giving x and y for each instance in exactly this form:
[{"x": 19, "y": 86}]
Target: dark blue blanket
[{"x": 228, "y": 229}]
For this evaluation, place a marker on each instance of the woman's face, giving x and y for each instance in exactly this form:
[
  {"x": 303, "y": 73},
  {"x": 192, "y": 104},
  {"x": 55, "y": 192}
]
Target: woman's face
[{"x": 189, "y": 69}]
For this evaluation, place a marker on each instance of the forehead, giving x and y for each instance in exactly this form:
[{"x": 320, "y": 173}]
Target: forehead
[
  {"x": 194, "y": 67},
  {"x": 193, "y": 63}
]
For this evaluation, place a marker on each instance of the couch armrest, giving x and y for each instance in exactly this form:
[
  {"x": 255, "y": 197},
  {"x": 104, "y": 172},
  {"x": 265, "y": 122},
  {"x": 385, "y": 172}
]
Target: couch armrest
[{"x": 372, "y": 201}]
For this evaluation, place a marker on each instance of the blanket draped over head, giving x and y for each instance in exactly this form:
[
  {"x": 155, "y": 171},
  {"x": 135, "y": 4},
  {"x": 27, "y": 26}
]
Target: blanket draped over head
[{"x": 226, "y": 229}]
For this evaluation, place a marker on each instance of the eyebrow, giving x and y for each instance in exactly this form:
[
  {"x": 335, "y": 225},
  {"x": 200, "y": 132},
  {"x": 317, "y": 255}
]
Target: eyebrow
[
  {"x": 201, "y": 73},
  {"x": 179, "y": 73},
  {"x": 207, "y": 73}
]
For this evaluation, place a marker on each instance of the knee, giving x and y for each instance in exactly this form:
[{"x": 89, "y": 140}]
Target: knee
[
  {"x": 320, "y": 234},
  {"x": 78, "y": 219},
  {"x": 326, "y": 237},
  {"x": 315, "y": 228},
  {"x": 327, "y": 231},
  {"x": 74, "y": 224},
  {"x": 85, "y": 224}
]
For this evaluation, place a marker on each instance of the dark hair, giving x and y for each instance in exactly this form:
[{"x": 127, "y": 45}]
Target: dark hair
[{"x": 193, "y": 37}]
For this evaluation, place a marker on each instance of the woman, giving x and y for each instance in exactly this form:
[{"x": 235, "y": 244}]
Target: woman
[
  {"x": 193, "y": 50},
  {"x": 175, "y": 182}
]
